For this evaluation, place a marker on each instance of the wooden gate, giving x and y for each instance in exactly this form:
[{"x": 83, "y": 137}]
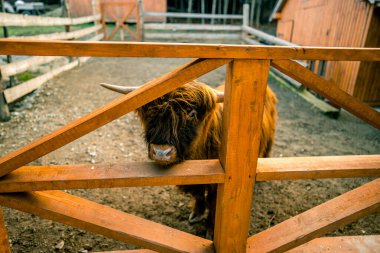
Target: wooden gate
[
  {"x": 36, "y": 189},
  {"x": 128, "y": 9}
]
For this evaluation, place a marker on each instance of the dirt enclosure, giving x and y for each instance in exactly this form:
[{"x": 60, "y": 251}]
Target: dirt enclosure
[{"x": 301, "y": 131}]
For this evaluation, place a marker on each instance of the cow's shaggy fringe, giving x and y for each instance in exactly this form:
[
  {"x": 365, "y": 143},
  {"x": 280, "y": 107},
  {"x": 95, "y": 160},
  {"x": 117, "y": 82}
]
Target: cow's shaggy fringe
[{"x": 164, "y": 117}]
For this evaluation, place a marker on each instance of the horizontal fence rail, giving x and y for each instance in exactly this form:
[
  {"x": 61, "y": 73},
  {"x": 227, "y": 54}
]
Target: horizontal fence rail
[
  {"x": 178, "y": 50},
  {"x": 191, "y": 15},
  {"x": 180, "y": 27},
  {"x": 89, "y": 176},
  {"x": 63, "y": 35},
  {"x": 267, "y": 37},
  {"x": 22, "y": 20}
]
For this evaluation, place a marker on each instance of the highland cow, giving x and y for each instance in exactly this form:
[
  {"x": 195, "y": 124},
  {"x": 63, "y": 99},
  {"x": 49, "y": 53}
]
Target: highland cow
[{"x": 186, "y": 124}]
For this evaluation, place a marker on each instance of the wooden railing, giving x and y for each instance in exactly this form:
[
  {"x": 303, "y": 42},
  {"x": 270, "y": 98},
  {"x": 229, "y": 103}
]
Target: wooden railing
[
  {"x": 192, "y": 30},
  {"x": 23, "y": 187},
  {"x": 8, "y": 71}
]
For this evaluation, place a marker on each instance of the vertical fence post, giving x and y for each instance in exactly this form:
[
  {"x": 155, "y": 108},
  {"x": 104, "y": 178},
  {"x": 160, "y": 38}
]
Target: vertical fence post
[
  {"x": 4, "y": 243},
  {"x": 104, "y": 22},
  {"x": 140, "y": 20},
  {"x": 4, "y": 110},
  {"x": 225, "y": 9},
  {"x": 245, "y": 19},
  {"x": 253, "y": 6},
  {"x": 213, "y": 10},
  {"x": 243, "y": 110},
  {"x": 9, "y": 57},
  {"x": 203, "y": 10},
  {"x": 95, "y": 11},
  {"x": 258, "y": 13},
  {"x": 189, "y": 10}
]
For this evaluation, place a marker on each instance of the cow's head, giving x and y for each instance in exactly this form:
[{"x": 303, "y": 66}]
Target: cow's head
[{"x": 172, "y": 122}]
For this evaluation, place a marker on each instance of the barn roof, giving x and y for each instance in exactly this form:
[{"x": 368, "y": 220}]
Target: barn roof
[{"x": 281, "y": 3}]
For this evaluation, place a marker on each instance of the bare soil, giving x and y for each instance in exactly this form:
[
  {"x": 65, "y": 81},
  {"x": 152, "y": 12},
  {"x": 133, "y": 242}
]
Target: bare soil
[{"x": 301, "y": 131}]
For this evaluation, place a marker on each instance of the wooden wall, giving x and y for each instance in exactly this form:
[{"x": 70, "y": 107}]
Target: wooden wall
[
  {"x": 367, "y": 86},
  {"x": 79, "y": 8},
  {"x": 340, "y": 24}
]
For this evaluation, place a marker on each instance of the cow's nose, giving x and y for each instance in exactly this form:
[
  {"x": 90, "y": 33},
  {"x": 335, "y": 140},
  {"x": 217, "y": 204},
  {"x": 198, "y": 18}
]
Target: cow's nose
[{"x": 163, "y": 154}]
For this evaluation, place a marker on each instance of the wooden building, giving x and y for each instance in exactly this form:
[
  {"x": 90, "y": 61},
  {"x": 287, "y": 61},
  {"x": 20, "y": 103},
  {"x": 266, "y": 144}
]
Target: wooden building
[
  {"x": 80, "y": 8},
  {"x": 335, "y": 23}
]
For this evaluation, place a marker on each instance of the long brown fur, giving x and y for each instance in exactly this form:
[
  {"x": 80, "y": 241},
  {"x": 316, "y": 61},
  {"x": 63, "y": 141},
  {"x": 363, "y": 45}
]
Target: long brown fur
[{"x": 206, "y": 143}]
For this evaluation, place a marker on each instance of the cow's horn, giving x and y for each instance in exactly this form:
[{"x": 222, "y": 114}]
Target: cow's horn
[
  {"x": 118, "y": 88},
  {"x": 219, "y": 96}
]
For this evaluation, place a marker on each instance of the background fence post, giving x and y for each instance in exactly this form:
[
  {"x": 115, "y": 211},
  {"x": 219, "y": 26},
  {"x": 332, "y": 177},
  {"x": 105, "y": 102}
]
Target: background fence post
[
  {"x": 95, "y": 11},
  {"x": 244, "y": 102},
  {"x": 140, "y": 20},
  {"x": 245, "y": 19},
  {"x": 4, "y": 110},
  {"x": 4, "y": 243}
]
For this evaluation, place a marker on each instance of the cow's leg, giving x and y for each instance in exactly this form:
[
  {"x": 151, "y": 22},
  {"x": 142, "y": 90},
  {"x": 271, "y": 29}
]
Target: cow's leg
[
  {"x": 199, "y": 208},
  {"x": 211, "y": 205}
]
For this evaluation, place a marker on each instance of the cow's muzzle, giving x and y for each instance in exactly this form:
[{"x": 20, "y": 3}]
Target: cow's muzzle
[{"x": 163, "y": 154}]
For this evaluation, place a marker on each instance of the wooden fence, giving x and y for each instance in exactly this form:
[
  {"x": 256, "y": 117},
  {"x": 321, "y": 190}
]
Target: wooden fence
[
  {"x": 191, "y": 30},
  {"x": 11, "y": 94},
  {"x": 36, "y": 189}
]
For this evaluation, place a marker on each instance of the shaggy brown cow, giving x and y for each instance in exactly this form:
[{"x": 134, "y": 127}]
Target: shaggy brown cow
[{"x": 185, "y": 124}]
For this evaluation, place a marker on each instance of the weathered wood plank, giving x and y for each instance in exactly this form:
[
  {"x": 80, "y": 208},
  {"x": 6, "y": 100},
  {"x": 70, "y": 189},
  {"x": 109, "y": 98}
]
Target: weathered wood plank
[
  {"x": 4, "y": 242},
  {"x": 341, "y": 244},
  {"x": 106, "y": 221},
  {"x": 195, "y": 36},
  {"x": 63, "y": 35},
  {"x": 194, "y": 27},
  {"x": 244, "y": 103},
  {"x": 290, "y": 168},
  {"x": 18, "y": 67},
  {"x": 319, "y": 220},
  {"x": 329, "y": 90},
  {"x": 85, "y": 176},
  {"x": 7, "y": 19},
  {"x": 107, "y": 113},
  {"x": 177, "y": 50},
  {"x": 18, "y": 91},
  {"x": 267, "y": 37},
  {"x": 190, "y": 15}
]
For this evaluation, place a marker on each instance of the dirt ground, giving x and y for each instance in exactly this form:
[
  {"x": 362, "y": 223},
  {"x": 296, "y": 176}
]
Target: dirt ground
[{"x": 301, "y": 131}]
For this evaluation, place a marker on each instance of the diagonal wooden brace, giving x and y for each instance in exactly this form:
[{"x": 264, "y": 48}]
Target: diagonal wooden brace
[
  {"x": 109, "y": 112},
  {"x": 328, "y": 90},
  {"x": 106, "y": 221},
  {"x": 319, "y": 220}
]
